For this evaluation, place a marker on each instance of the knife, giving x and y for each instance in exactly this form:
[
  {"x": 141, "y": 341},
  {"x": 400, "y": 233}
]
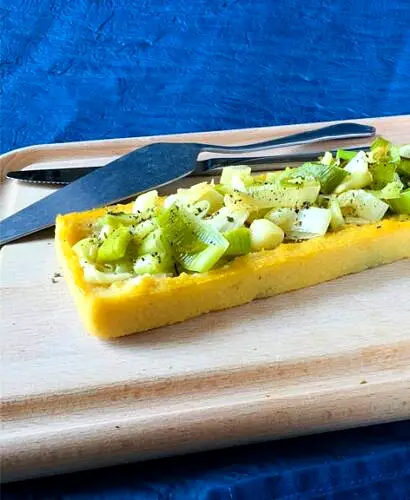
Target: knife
[
  {"x": 212, "y": 166},
  {"x": 146, "y": 168}
]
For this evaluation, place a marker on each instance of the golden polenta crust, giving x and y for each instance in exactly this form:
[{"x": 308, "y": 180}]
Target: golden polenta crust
[{"x": 150, "y": 302}]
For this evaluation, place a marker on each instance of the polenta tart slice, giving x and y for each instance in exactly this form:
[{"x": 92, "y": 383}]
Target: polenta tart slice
[{"x": 162, "y": 260}]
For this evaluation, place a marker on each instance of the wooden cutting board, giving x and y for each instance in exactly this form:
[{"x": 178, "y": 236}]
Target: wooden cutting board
[{"x": 331, "y": 356}]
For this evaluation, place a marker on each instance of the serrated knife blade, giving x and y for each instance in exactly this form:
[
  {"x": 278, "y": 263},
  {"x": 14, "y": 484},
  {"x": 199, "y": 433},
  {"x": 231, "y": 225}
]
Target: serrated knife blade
[{"x": 212, "y": 166}]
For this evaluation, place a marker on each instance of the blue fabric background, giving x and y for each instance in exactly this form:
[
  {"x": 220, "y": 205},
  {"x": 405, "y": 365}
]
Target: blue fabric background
[{"x": 78, "y": 70}]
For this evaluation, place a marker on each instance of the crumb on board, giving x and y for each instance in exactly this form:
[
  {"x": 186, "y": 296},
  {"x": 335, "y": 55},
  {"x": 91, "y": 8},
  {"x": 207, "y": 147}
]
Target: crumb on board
[
  {"x": 363, "y": 382},
  {"x": 54, "y": 278}
]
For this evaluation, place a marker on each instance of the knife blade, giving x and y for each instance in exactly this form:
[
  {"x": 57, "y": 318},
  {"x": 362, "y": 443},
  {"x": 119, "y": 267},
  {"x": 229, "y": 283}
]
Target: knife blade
[
  {"x": 212, "y": 166},
  {"x": 151, "y": 167}
]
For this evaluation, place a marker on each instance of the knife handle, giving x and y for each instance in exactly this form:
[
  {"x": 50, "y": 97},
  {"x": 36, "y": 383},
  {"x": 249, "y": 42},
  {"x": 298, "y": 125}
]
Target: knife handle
[
  {"x": 212, "y": 166},
  {"x": 328, "y": 133}
]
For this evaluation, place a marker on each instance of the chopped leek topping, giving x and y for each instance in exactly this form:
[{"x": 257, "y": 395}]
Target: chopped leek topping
[
  {"x": 195, "y": 244},
  {"x": 362, "y": 204},
  {"x": 327, "y": 159},
  {"x": 291, "y": 196},
  {"x": 404, "y": 151},
  {"x": 93, "y": 275},
  {"x": 265, "y": 235},
  {"x": 359, "y": 175},
  {"x": 237, "y": 177},
  {"x": 141, "y": 230},
  {"x": 401, "y": 205},
  {"x": 202, "y": 192},
  {"x": 153, "y": 242},
  {"x": 282, "y": 217},
  {"x": 404, "y": 167},
  {"x": 242, "y": 201},
  {"x": 329, "y": 176},
  {"x": 337, "y": 220},
  {"x": 342, "y": 154},
  {"x": 391, "y": 190},
  {"x": 146, "y": 203},
  {"x": 114, "y": 245},
  {"x": 152, "y": 264},
  {"x": 206, "y": 226},
  {"x": 86, "y": 249},
  {"x": 310, "y": 223},
  {"x": 239, "y": 241},
  {"x": 227, "y": 219}
]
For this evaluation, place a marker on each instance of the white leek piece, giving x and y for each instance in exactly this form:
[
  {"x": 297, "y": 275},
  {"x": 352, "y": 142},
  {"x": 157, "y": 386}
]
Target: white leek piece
[
  {"x": 282, "y": 217},
  {"x": 310, "y": 223},
  {"x": 146, "y": 202},
  {"x": 227, "y": 218},
  {"x": 236, "y": 173},
  {"x": 362, "y": 204},
  {"x": 359, "y": 175},
  {"x": 93, "y": 275},
  {"x": 265, "y": 235}
]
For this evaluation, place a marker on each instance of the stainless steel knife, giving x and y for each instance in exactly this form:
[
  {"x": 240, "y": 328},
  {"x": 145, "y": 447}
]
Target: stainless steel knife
[
  {"x": 211, "y": 167},
  {"x": 146, "y": 168}
]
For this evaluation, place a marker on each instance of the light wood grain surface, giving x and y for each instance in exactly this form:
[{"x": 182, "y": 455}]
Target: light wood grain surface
[{"x": 288, "y": 365}]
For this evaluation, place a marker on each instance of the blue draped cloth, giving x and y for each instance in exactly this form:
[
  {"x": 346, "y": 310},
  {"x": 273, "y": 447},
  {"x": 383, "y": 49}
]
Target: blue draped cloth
[
  {"x": 79, "y": 70},
  {"x": 357, "y": 464}
]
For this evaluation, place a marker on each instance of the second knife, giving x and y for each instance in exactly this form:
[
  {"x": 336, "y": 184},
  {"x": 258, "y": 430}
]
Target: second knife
[{"x": 212, "y": 166}]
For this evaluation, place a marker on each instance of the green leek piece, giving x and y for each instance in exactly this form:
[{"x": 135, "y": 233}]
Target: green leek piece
[
  {"x": 382, "y": 173},
  {"x": 291, "y": 196},
  {"x": 329, "y": 176},
  {"x": 337, "y": 220},
  {"x": 87, "y": 249},
  {"x": 282, "y": 217},
  {"x": 195, "y": 244},
  {"x": 265, "y": 235},
  {"x": 344, "y": 155},
  {"x": 403, "y": 167},
  {"x": 385, "y": 161},
  {"x": 391, "y": 190},
  {"x": 401, "y": 205},
  {"x": 383, "y": 150},
  {"x": 239, "y": 241},
  {"x": 311, "y": 223},
  {"x": 359, "y": 175},
  {"x": 361, "y": 204},
  {"x": 114, "y": 245}
]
